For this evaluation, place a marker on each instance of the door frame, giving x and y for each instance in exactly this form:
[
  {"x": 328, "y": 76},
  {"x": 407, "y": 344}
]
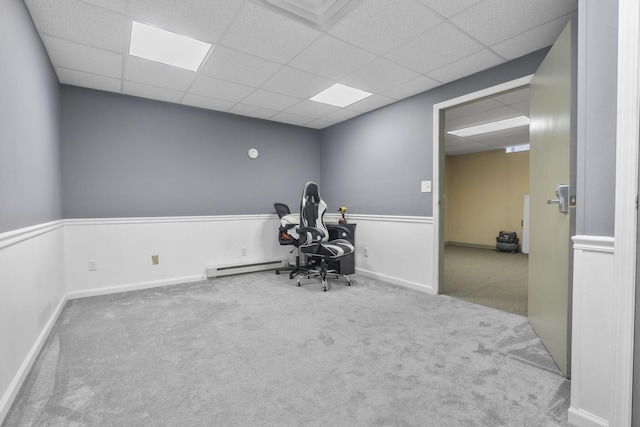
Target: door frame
[
  {"x": 626, "y": 214},
  {"x": 438, "y": 174}
]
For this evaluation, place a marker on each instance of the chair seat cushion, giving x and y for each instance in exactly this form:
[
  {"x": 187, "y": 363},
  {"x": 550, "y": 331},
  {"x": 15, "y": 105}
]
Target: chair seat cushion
[{"x": 336, "y": 248}]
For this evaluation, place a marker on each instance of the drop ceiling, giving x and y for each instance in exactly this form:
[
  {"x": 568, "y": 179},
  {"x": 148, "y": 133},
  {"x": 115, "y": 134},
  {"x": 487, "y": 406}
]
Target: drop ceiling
[
  {"x": 504, "y": 106},
  {"x": 266, "y": 63}
]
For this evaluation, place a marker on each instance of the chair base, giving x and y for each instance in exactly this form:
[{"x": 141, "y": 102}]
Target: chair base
[
  {"x": 323, "y": 273},
  {"x": 294, "y": 269}
]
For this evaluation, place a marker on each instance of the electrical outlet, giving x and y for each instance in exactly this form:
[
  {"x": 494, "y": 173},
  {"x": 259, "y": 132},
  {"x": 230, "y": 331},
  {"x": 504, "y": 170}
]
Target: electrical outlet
[
  {"x": 366, "y": 252},
  {"x": 155, "y": 259},
  {"x": 93, "y": 265},
  {"x": 243, "y": 252}
]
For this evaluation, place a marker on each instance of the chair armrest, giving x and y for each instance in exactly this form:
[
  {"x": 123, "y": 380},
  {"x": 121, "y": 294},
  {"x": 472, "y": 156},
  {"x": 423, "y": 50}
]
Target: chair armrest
[
  {"x": 316, "y": 232},
  {"x": 340, "y": 228}
]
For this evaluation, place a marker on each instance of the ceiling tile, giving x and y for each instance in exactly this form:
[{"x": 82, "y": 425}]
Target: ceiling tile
[
  {"x": 373, "y": 25},
  {"x": 270, "y": 100},
  {"x": 497, "y": 140},
  {"x": 203, "y": 20},
  {"x": 296, "y": 83},
  {"x": 473, "y": 63},
  {"x": 83, "y": 58},
  {"x": 234, "y": 66},
  {"x": 269, "y": 35},
  {"x": 472, "y": 108},
  {"x": 448, "y": 8},
  {"x": 252, "y": 111},
  {"x": 312, "y": 109},
  {"x": 319, "y": 124},
  {"x": 219, "y": 89},
  {"x": 371, "y": 103},
  {"x": 80, "y": 22},
  {"x": 493, "y": 21},
  {"x": 331, "y": 58},
  {"x": 412, "y": 87},
  {"x": 436, "y": 48},
  {"x": 453, "y": 141},
  {"x": 532, "y": 40},
  {"x": 206, "y": 102},
  {"x": 115, "y": 5},
  {"x": 157, "y": 74},
  {"x": 151, "y": 92},
  {"x": 291, "y": 119},
  {"x": 340, "y": 115},
  {"x": 514, "y": 97},
  {"x": 521, "y": 107},
  {"x": 379, "y": 75},
  {"x": 481, "y": 117},
  {"x": 91, "y": 81}
]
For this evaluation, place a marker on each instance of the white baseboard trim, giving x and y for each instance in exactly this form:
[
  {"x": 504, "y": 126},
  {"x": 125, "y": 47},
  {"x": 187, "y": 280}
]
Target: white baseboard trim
[
  {"x": 25, "y": 368},
  {"x": 107, "y": 290},
  {"x": 396, "y": 281},
  {"x": 580, "y": 418}
]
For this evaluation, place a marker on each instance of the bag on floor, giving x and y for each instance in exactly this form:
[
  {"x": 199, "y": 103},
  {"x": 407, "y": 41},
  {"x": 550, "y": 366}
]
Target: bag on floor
[{"x": 507, "y": 241}]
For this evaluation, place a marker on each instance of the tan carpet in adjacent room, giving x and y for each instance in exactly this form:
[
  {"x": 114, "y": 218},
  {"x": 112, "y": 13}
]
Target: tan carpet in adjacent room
[{"x": 486, "y": 277}]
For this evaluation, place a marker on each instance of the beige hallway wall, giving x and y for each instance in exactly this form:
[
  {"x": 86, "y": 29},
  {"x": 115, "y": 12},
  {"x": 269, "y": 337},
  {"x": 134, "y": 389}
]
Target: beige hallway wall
[{"x": 484, "y": 193}]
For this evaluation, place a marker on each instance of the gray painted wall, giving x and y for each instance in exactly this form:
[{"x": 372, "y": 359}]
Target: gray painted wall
[
  {"x": 130, "y": 157},
  {"x": 597, "y": 106},
  {"x": 29, "y": 129},
  {"x": 374, "y": 163}
]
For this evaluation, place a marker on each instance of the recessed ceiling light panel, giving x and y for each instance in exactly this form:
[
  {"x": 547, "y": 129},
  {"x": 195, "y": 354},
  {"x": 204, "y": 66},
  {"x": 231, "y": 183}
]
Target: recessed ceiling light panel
[
  {"x": 340, "y": 95},
  {"x": 513, "y": 122},
  {"x": 518, "y": 148},
  {"x": 166, "y": 47}
]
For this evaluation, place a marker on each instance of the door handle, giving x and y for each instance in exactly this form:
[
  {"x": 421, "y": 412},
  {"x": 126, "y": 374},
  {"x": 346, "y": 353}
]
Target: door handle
[{"x": 562, "y": 194}]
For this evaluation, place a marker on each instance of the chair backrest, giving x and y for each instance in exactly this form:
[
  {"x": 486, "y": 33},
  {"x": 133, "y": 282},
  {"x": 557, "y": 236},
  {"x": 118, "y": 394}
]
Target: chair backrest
[
  {"x": 281, "y": 209},
  {"x": 312, "y": 210}
]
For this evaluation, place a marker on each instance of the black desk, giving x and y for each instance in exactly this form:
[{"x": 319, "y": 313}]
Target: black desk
[{"x": 346, "y": 264}]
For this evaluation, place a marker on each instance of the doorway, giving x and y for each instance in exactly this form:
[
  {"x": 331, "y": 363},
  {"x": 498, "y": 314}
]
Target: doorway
[
  {"x": 552, "y": 165},
  {"x": 439, "y": 159},
  {"x": 486, "y": 180}
]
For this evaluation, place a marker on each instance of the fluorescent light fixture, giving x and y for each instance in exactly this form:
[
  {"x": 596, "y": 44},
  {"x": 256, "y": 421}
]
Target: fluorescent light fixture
[
  {"x": 518, "y": 148},
  {"x": 340, "y": 95},
  {"x": 169, "y": 48},
  {"x": 513, "y": 122}
]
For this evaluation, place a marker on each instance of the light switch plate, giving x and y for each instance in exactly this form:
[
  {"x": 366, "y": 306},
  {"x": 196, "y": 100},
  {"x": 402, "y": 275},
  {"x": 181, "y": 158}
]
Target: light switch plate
[{"x": 425, "y": 186}]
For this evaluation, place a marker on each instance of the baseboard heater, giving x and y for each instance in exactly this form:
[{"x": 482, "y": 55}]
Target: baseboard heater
[{"x": 226, "y": 270}]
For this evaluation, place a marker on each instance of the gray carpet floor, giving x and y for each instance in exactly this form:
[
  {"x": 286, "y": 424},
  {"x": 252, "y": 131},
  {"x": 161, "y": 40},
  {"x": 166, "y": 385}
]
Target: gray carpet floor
[
  {"x": 255, "y": 350},
  {"x": 486, "y": 277}
]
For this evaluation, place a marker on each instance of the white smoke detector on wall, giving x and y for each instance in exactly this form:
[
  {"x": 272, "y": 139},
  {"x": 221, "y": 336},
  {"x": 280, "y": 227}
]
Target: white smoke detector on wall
[{"x": 252, "y": 153}]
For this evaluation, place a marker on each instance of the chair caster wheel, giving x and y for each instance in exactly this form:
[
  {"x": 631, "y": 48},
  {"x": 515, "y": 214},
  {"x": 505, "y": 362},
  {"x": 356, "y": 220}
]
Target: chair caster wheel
[{"x": 277, "y": 272}]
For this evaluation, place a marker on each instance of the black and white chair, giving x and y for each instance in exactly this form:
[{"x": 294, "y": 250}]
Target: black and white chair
[
  {"x": 287, "y": 235},
  {"x": 314, "y": 238}
]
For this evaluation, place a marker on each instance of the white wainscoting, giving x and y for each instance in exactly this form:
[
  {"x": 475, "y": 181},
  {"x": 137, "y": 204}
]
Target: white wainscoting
[
  {"x": 592, "y": 339},
  {"x": 32, "y": 294},
  {"x": 122, "y": 249},
  {"x": 43, "y": 266},
  {"x": 399, "y": 248}
]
